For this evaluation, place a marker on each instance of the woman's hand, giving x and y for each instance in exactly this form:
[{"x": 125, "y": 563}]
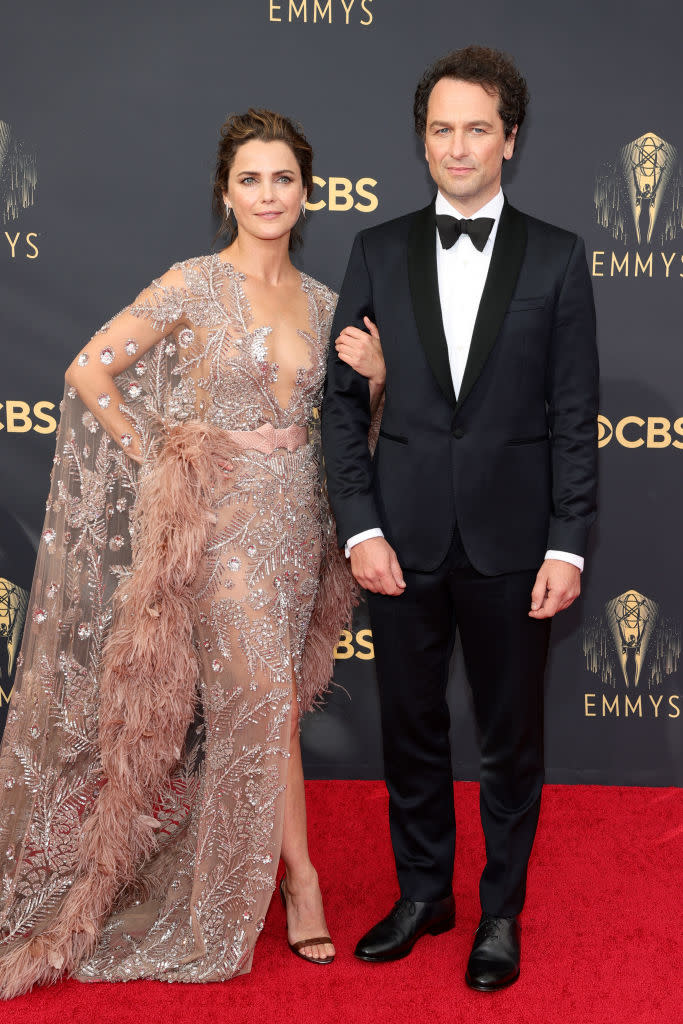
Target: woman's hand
[{"x": 362, "y": 351}]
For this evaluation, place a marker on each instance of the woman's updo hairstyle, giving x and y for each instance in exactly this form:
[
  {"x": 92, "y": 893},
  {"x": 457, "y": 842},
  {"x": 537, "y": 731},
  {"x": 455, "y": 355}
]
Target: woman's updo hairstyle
[{"x": 266, "y": 126}]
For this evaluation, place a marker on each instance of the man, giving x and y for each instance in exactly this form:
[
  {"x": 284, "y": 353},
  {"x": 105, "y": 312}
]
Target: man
[{"x": 476, "y": 508}]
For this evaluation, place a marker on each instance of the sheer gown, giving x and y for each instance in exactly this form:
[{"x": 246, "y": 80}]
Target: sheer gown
[{"x": 177, "y": 609}]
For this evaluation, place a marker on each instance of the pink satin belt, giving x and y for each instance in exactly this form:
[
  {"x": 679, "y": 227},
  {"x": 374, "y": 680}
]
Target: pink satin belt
[{"x": 267, "y": 438}]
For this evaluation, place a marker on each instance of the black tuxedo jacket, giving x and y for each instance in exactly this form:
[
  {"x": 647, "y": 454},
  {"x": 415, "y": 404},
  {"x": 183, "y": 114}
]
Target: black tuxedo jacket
[{"x": 512, "y": 461}]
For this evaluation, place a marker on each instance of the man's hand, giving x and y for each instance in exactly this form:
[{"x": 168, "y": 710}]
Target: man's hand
[
  {"x": 557, "y": 585},
  {"x": 375, "y": 566}
]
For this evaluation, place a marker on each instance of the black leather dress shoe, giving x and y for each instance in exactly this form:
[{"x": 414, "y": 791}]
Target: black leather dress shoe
[
  {"x": 397, "y": 933},
  {"x": 494, "y": 960}
]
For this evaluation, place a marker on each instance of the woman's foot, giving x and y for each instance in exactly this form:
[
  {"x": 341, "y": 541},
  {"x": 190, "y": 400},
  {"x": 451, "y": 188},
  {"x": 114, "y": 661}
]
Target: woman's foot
[{"x": 305, "y": 914}]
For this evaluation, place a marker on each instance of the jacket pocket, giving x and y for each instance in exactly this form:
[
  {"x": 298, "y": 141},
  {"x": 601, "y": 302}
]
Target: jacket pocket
[
  {"x": 393, "y": 437},
  {"x": 527, "y": 440},
  {"x": 518, "y": 305}
]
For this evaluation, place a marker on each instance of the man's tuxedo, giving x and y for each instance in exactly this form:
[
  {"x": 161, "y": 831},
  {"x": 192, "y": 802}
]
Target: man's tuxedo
[
  {"x": 470, "y": 493},
  {"x": 513, "y": 460}
]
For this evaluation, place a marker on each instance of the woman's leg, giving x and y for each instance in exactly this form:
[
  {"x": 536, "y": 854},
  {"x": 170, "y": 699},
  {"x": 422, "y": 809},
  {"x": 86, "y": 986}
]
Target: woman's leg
[{"x": 305, "y": 914}]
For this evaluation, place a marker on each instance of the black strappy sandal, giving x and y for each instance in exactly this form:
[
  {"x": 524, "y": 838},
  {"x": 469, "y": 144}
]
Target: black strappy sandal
[{"x": 296, "y": 947}]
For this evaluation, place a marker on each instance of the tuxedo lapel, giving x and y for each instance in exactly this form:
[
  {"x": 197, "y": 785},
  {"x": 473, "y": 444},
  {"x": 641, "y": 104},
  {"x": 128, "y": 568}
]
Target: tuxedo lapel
[
  {"x": 506, "y": 262},
  {"x": 424, "y": 291}
]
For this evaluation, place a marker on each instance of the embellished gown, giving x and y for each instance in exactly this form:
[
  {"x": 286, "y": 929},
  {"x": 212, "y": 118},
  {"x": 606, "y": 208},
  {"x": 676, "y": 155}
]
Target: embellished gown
[{"x": 178, "y": 608}]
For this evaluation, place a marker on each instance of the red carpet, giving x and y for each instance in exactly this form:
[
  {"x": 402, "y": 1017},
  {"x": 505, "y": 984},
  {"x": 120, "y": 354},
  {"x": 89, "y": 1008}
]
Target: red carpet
[{"x": 602, "y": 930}]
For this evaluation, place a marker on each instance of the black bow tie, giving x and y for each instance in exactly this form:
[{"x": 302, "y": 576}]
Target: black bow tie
[{"x": 451, "y": 228}]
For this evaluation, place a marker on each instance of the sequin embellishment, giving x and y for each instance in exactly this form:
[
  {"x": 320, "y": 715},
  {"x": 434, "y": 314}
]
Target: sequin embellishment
[{"x": 220, "y": 813}]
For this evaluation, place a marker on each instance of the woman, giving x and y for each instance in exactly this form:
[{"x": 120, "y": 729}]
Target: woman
[{"x": 151, "y": 770}]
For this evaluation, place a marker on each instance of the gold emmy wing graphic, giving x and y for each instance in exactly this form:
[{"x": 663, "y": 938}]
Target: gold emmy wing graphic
[
  {"x": 630, "y": 635},
  {"x": 18, "y": 175},
  {"x": 13, "y": 605},
  {"x": 638, "y": 196}
]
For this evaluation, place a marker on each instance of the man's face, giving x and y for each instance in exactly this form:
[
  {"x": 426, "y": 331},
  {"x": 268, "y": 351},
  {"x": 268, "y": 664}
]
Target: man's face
[{"x": 465, "y": 143}]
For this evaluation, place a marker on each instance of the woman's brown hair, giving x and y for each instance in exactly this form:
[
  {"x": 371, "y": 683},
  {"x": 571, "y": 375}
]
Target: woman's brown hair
[{"x": 266, "y": 126}]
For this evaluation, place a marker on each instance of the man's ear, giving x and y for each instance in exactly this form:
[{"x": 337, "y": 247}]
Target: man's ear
[{"x": 509, "y": 147}]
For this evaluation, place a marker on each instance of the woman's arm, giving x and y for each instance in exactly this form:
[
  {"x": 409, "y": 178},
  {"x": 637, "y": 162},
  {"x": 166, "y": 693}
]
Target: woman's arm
[{"x": 119, "y": 345}]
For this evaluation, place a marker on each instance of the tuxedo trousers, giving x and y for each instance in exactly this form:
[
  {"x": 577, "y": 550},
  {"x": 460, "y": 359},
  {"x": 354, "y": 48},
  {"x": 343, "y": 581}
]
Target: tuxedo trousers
[{"x": 505, "y": 654}]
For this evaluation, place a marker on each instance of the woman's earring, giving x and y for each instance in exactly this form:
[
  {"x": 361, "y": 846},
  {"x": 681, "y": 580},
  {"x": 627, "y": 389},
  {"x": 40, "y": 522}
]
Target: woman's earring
[
  {"x": 228, "y": 209},
  {"x": 303, "y": 209}
]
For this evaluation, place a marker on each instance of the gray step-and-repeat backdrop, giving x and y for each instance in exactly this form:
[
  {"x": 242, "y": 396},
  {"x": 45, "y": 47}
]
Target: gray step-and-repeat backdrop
[{"x": 109, "y": 116}]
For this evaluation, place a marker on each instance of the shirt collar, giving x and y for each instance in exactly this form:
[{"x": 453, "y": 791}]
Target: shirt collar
[{"x": 493, "y": 208}]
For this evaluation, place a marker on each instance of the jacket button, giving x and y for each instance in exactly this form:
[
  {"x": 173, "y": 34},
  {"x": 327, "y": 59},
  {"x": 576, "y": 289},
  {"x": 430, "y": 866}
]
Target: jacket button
[{"x": 458, "y": 432}]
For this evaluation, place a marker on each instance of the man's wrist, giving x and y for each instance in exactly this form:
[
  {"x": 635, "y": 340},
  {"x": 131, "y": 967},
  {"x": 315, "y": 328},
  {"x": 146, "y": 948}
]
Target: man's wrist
[
  {"x": 358, "y": 538},
  {"x": 566, "y": 556}
]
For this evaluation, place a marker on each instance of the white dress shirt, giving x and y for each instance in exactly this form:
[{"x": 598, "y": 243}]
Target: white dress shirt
[{"x": 462, "y": 272}]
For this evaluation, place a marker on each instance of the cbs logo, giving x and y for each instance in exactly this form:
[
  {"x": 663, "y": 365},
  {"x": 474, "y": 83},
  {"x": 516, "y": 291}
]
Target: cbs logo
[
  {"x": 342, "y": 195},
  {"x": 19, "y": 418},
  {"x": 636, "y": 432},
  {"x": 360, "y": 646}
]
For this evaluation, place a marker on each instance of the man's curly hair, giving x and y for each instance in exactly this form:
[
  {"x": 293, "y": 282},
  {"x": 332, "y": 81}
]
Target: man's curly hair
[{"x": 492, "y": 69}]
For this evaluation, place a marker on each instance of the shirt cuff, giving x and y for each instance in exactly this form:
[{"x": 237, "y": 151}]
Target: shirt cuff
[
  {"x": 565, "y": 556},
  {"x": 358, "y": 537}
]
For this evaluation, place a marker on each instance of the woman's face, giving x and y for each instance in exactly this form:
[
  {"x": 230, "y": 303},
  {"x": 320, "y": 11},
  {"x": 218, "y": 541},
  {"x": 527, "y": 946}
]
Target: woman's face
[{"x": 265, "y": 189}]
